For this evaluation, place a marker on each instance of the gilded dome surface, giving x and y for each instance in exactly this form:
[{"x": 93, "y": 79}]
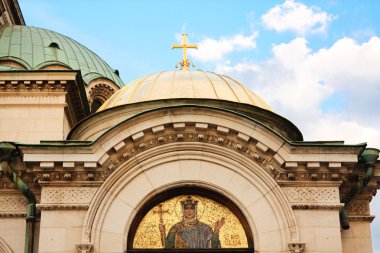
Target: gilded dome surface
[
  {"x": 36, "y": 48},
  {"x": 184, "y": 84}
]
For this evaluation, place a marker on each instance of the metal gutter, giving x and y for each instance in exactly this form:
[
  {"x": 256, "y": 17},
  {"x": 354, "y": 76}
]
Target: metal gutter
[
  {"x": 8, "y": 154},
  {"x": 369, "y": 158}
]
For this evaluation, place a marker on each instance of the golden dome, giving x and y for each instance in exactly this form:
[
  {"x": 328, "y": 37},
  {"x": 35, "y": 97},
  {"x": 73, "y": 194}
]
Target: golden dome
[{"x": 196, "y": 84}]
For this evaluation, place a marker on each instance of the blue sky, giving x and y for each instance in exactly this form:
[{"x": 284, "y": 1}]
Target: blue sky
[{"x": 315, "y": 62}]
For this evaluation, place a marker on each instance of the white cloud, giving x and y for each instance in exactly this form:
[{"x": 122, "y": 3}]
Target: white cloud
[
  {"x": 211, "y": 50},
  {"x": 296, "y": 17},
  {"x": 330, "y": 94}
]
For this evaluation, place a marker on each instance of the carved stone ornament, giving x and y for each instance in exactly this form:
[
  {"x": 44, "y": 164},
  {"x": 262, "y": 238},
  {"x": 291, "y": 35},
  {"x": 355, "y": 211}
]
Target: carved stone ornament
[
  {"x": 359, "y": 208},
  {"x": 296, "y": 247},
  {"x": 312, "y": 194},
  {"x": 13, "y": 204},
  {"x": 68, "y": 195},
  {"x": 84, "y": 248}
]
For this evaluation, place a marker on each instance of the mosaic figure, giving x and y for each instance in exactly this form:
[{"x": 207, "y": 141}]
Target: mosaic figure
[{"x": 190, "y": 232}]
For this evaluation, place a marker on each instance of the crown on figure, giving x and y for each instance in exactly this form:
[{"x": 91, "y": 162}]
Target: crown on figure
[{"x": 189, "y": 202}]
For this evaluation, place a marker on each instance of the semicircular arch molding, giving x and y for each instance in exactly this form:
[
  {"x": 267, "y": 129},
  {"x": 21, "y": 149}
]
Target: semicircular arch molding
[
  {"x": 154, "y": 171},
  {"x": 54, "y": 66},
  {"x": 4, "y": 247},
  {"x": 19, "y": 61},
  {"x": 183, "y": 124}
]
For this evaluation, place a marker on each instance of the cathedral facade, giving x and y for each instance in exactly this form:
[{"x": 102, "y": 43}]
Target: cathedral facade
[{"x": 180, "y": 160}]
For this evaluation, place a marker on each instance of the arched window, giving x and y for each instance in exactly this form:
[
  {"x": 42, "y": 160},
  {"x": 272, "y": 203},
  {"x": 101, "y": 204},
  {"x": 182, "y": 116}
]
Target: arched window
[
  {"x": 190, "y": 219},
  {"x": 54, "y": 45},
  {"x": 96, "y": 104}
]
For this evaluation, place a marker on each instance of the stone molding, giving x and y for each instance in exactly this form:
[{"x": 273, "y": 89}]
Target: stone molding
[
  {"x": 125, "y": 149},
  {"x": 231, "y": 142},
  {"x": 63, "y": 206},
  {"x": 317, "y": 206},
  {"x": 12, "y": 214},
  {"x": 33, "y": 86},
  {"x": 312, "y": 194},
  {"x": 100, "y": 91},
  {"x": 4, "y": 247},
  {"x": 84, "y": 248},
  {"x": 67, "y": 195},
  {"x": 365, "y": 218},
  {"x": 124, "y": 176}
]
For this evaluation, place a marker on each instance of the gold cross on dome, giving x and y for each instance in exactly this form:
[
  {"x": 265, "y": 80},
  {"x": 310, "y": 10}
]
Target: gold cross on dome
[{"x": 185, "y": 63}]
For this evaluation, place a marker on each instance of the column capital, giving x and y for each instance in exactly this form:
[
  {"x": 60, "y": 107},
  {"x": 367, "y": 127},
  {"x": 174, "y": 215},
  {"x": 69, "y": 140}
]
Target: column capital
[{"x": 296, "y": 247}]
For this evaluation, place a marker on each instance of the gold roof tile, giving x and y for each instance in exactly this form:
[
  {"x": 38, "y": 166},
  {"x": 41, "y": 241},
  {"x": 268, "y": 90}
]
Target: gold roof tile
[{"x": 184, "y": 84}]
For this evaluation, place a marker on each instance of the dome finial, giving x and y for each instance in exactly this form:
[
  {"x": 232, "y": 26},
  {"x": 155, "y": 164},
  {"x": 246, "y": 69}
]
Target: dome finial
[{"x": 185, "y": 63}]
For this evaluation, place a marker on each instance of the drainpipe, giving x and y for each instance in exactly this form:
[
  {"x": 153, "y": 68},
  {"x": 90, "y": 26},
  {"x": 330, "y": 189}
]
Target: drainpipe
[
  {"x": 369, "y": 158},
  {"x": 8, "y": 153}
]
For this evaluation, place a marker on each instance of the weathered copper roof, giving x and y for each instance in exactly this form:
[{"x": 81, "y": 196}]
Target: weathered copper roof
[{"x": 36, "y": 48}]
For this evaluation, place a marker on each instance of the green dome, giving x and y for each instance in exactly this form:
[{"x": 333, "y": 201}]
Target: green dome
[{"x": 36, "y": 48}]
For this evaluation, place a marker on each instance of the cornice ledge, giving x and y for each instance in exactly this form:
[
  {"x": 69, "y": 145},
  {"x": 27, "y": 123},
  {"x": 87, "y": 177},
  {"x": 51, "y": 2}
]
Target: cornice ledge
[
  {"x": 309, "y": 183},
  {"x": 367, "y": 218},
  {"x": 317, "y": 206},
  {"x": 63, "y": 206},
  {"x": 12, "y": 214}
]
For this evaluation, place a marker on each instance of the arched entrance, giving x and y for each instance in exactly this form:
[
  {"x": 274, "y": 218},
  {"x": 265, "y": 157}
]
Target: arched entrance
[
  {"x": 164, "y": 223},
  {"x": 130, "y": 188}
]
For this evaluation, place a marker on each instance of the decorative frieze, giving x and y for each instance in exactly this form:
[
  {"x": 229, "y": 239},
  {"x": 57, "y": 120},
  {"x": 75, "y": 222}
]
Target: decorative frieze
[
  {"x": 317, "y": 206},
  {"x": 359, "y": 207},
  {"x": 153, "y": 137},
  {"x": 366, "y": 218},
  {"x": 67, "y": 195},
  {"x": 11, "y": 203},
  {"x": 100, "y": 91},
  {"x": 32, "y": 86},
  {"x": 12, "y": 215},
  {"x": 63, "y": 206},
  {"x": 312, "y": 194}
]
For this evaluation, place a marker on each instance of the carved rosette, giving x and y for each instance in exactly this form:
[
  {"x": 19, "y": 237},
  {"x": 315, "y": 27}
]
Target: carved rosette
[
  {"x": 297, "y": 247},
  {"x": 84, "y": 248}
]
